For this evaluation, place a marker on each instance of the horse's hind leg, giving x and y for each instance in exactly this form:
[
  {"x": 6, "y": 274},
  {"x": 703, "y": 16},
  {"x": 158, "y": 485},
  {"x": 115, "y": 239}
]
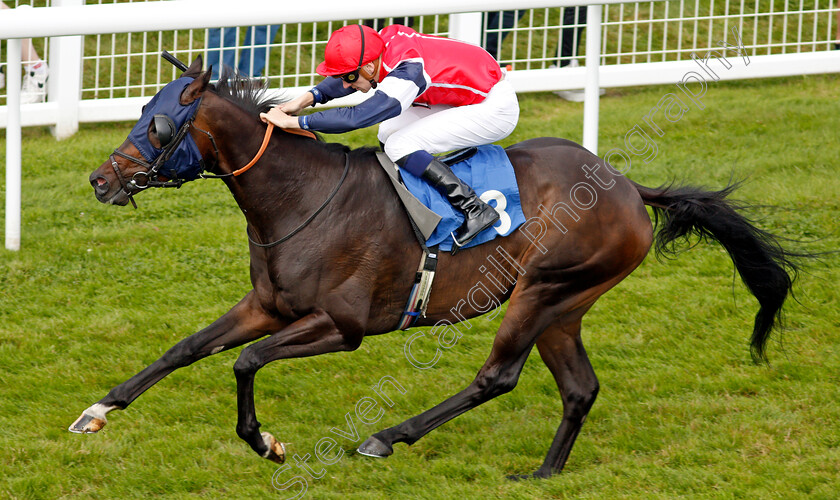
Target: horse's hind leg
[
  {"x": 245, "y": 322},
  {"x": 499, "y": 375},
  {"x": 561, "y": 349}
]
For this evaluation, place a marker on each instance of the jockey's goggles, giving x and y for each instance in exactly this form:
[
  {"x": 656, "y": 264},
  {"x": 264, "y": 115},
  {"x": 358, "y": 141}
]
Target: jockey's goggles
[{"x": 351, "y": 77}]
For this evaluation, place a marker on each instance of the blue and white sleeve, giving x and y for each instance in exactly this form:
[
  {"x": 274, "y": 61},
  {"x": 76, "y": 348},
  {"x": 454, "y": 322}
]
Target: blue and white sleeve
[
  {"x": 406, "y": 82},
  {"x": 378, "y": 108},
  {"x": 330, "y": 88},
  {"x": 393, "y": 95}
]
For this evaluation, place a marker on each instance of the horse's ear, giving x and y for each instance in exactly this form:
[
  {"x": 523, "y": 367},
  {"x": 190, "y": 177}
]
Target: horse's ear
[
  {"x": 195, "y": 68},
  {"x": 195, "y": 89}
]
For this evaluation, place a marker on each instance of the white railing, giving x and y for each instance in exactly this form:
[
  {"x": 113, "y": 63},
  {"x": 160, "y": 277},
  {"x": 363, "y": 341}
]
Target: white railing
[
  {"x": 632, "y": 34},
  {"x": 104, "y": 59}
]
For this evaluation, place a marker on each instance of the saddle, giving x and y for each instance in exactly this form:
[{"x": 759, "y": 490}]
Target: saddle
[
  {"x": 422, "y": 217},
  {"x": 423, "y": 221}
]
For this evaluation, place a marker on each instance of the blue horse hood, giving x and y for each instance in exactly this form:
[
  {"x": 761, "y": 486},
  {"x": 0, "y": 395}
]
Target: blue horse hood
[{"x": 185, "y": 161}]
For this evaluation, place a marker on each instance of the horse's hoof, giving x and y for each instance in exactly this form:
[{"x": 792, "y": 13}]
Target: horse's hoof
[
  {"x": 525, "y": 477},
  {"x": 87, "y": 424},
  {"x": 373, "y": 447},
  {"x": 276, "y": 451}
]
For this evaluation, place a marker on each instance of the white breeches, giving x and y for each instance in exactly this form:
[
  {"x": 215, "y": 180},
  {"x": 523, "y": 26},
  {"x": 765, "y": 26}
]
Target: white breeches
[{"x": 443, "y": 128}]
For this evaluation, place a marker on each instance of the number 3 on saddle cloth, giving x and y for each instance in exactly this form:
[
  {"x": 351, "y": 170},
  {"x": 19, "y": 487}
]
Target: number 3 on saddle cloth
[{"x": 489, "y": 172}]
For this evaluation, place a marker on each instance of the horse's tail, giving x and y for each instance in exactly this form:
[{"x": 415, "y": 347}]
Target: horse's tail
[{"x": 766, "y": 268}]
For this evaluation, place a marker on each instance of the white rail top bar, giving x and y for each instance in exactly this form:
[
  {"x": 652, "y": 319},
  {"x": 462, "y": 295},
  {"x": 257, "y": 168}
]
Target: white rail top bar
[{"x": 196, "y": 14}]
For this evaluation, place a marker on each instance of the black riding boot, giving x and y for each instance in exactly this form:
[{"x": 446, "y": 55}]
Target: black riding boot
[{"x": 478, "y": 215}]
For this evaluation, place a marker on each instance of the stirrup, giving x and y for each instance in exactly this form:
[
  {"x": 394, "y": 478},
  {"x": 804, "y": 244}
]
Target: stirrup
[{"x": 457, "y": 245}]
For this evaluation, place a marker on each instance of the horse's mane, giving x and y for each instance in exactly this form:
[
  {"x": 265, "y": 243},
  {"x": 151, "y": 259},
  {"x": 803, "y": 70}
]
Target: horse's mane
[
  {"x": 250, "y": 95},
  {"x": 247, "y": 93}
]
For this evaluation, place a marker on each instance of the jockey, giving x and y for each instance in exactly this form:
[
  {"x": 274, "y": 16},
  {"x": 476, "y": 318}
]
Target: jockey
[{"x": 431, "y": 95}]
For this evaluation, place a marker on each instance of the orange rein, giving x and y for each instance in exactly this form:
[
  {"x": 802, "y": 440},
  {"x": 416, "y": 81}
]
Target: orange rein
[{"x": 264, "y": 145}]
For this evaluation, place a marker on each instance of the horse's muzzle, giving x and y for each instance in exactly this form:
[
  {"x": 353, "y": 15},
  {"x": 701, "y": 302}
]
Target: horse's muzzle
[
  {"x": 104, "y": 192},
  {"x": 100, "y": 185}
]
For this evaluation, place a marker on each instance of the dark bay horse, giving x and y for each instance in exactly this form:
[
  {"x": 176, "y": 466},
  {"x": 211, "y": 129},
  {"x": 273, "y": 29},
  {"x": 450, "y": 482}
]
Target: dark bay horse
[{"x": 345, "y": 268}]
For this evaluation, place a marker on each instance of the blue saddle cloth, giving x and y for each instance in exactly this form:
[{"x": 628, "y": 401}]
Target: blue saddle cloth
[{"x": 490, "y": 174}]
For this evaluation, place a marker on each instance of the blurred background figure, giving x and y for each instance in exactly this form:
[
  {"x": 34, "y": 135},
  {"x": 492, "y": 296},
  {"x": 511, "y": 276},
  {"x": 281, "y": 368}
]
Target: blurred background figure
[
  {"x": 221, "y": 49},
  {"x": 380, "y": 23},
  {"x": 574, "y": 21},
  {"x": 837, "y": 33},
  {"x": 497, "y": 26},
  {"x": 35, "y": 72}
]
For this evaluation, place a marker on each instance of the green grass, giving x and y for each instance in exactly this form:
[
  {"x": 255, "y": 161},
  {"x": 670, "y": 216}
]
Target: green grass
[{"x": 98, "y": 292}]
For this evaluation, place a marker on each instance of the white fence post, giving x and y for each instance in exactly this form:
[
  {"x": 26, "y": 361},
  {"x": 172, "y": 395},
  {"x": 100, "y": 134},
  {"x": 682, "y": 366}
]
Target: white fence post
[
  {"x": 466, "y": 27},
  {"x": 65, "y": 83},
  {"x": 13, "y": 146},
  {"x": 593, "y": 61}
]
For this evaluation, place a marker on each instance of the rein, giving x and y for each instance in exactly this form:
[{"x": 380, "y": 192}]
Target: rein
[
  {"x": 268, "y": 131},
  {"x": 264, "y": 145},
  {"x": 153, "y": 169},
  {"x": 311, "y": 217}
]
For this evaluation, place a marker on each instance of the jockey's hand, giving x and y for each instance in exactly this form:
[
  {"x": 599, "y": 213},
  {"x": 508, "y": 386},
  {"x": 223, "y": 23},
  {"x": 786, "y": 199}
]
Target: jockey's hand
[
  {"x": 280, "y": 119},
  {"x": 294, "y": 106}
]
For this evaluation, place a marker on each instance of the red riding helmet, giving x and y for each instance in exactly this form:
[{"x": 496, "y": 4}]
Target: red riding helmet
[{"x": 344, "y": 50}]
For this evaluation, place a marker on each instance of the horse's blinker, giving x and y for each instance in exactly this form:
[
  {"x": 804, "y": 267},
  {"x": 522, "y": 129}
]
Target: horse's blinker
[{"x": 165, "y": 129}]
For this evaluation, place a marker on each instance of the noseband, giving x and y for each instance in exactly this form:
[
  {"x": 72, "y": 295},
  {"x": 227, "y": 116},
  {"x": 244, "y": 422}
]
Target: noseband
[{"x": 120, "y": 176}]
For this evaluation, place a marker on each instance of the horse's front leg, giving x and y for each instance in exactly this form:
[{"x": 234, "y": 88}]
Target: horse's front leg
[
  {"x": 245, "y": 322},
  {"x": 314, "y": 334}
]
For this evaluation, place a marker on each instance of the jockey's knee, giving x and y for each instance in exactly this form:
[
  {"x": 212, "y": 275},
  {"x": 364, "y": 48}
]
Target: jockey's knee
[
  {"x": 415, "y": 162},
  {"x": 397, "y": 148},
  {"x": 400, "y": 145},
  {"x": 385, "y": 131}
]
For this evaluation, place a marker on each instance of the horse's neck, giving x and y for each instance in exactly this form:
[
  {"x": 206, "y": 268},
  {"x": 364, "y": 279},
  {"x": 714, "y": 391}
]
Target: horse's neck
[
  {"x": 286, "y": 184},
  {"x": 295, "y": 176}
]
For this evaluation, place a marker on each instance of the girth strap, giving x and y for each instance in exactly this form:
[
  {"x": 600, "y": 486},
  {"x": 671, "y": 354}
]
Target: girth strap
[{"x": 418, "y": 299}]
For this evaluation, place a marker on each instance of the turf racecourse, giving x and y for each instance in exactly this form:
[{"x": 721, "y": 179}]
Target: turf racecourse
[{"x": 99, "y": 292}]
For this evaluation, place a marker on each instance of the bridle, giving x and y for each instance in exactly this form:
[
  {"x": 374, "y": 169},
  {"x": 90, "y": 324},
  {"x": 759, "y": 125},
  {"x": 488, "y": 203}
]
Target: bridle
[{"x": 152, "y": 175}]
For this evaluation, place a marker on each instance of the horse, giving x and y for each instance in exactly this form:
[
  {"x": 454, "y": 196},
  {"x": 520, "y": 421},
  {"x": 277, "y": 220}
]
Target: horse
[{"x": 327, "y": 271}]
